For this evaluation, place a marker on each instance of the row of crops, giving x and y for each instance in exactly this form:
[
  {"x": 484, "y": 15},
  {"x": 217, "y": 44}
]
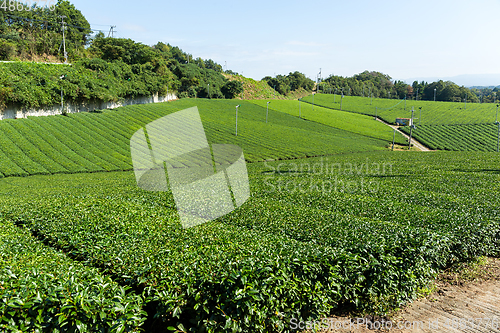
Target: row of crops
[
  {"x": 365, "y": 230},
  {"x": 471, "y": 137},
  {"x": 352, "y": 122},
  {"x": 431, "y": 113},
  {"x": 91, "y": 142}
]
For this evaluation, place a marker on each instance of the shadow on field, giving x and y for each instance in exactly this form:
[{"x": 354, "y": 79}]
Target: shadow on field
[{"x": 494, "y": 171}]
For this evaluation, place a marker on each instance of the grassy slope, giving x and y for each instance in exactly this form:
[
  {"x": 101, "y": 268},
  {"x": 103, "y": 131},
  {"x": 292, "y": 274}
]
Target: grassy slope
[
  {"x": 253, "y": 89},
  {"x": 432, "y": 112},
  {"x": 355, "y": 123}
]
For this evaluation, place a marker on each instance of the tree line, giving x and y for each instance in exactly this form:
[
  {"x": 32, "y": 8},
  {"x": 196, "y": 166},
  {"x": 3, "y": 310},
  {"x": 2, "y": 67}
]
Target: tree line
[
  {"x": 36, "y": 35},
  {"x": 381, "y": 85}
]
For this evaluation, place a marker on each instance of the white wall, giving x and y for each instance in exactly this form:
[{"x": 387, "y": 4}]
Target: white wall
[{"x": 12, "y": 112}]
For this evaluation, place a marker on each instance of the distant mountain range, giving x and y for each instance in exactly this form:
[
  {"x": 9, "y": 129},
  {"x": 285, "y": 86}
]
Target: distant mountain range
[{"x": 467, "y": 80}]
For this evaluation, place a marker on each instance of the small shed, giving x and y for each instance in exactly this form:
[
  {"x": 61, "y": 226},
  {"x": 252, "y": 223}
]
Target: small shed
[{"x": 404, "y": 121}]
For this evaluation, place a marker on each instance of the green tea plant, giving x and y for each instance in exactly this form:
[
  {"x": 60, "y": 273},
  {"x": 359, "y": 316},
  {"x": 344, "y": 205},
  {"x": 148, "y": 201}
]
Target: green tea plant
[
  {"x": 432, "y": 113},
  {"x": 348, "y": 121},
  {"x": 43, "y": 290},
  {"x": 469, "y": 137},
  {"x": 364, "y": 230},
  {"x": 89, "y": 142}
]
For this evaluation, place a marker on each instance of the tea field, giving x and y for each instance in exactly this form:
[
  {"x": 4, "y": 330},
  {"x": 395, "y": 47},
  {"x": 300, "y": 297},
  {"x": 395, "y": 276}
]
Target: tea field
[
  {"x": 335, "y": 220},
  {"x": 433, "y": 113},
  {"x": 91, "y": 142},
  {"x": 364, "y": 230},
  {"x": 473, "y": 137},
  {"x": 355, "y": 123}
]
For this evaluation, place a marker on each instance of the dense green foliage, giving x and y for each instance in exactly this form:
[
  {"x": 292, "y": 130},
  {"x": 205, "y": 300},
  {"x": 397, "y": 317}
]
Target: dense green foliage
[
  {"x": 94, "y": 80},
  {"x": 106, "y": 69},
  {"x": 376, "y": 84},
  {"x": 35, "y": 32},
  {"x": 355, "y": 123},
  {"x": 284, "y": 84},
  {"x": 444, "y": 91},
  {"x": 43, "y": 290},
  {"x": 232, "y": 88},
  {"x": 88, "y": 142},
  {"x": 471, "y": 137},
  {"x": 367, "y": 230},
  {"x": 487, "y": 94},
  {"x": 430, "y": 114}
]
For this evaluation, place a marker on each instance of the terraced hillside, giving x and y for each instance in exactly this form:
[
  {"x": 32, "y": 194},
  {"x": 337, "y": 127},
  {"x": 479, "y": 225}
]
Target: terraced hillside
[
  {"x": 471, "y": 137},
  {"x": 357, "y": 227},
  {"x": 433, "y": 113},
  {"x": 355, "y": 123},
  {"x": 91, "y": 142}
]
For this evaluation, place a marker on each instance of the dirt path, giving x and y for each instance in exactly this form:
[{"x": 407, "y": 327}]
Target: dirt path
[
  {"x": 415, "y": 143},
  {"x": 458, "y": 305}
]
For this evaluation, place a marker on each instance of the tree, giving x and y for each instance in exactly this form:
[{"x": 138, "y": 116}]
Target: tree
[
  {"x": 451, "y": 92},
  {"x": 78, "y": 28},
  {"x": 284, "y": 84},
  {"x": 401, "y": 89},
  {"x": 231, "y": 89}
]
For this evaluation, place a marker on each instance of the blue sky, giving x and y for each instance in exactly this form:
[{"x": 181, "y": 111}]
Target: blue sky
[{"x": 405, "y": 39}]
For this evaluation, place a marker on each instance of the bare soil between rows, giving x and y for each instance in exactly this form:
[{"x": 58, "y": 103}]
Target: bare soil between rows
[{"x": 463, "y": 301}]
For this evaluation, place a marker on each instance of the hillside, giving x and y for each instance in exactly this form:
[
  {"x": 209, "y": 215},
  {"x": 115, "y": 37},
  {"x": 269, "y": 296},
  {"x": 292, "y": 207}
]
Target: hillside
[
  {"x": 432, "y": 113},
  {"x": 348, "y": 121},
  {"x": 253, "y": 89},
  {"x": 90, "y": 142}
]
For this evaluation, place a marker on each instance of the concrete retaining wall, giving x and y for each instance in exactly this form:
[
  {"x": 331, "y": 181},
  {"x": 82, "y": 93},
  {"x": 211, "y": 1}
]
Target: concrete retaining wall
[{"x": 12, "y": 112}]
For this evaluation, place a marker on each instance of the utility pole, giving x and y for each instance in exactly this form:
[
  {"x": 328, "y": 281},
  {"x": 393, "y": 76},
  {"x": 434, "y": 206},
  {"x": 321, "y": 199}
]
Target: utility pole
[
  {"x": 63, "y": 24},
  {"x": 420, "y": 116},
  {"x": 393, "y": 138},
  {"x": 237, "y": 106},
  {"x": 411, "y": 128},
  {"x": 341, "y": 99},
  {"x": 208, "y": 86},
  {"x": 111, "y": 31},
  {"x": 496, "y": 117},
  {"x": 434, "y": 94},
  {"x": 498, "y": 136},
  {"x": 299, "y": 108},
  {"x": 267, "y": 110},
  {"x": 318, "y": 79},
  {"x": 465, "y": 101}
]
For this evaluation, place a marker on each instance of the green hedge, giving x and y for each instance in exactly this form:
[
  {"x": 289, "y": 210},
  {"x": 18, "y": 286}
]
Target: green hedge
[
  {"x": 43, "y": 290},
  {"x": 282, "y": 254}
]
